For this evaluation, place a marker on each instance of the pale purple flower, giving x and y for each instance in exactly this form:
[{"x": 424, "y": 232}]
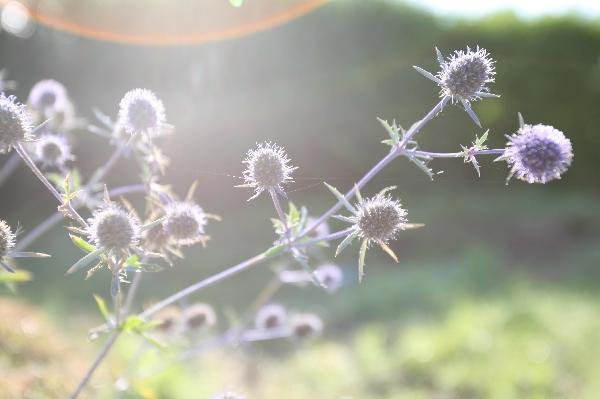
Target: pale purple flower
[
  {"x": 48, "y": 97},
  {"x": 267, "y": 169},
  {"x": 464, "y": 77},
  {"x": 184, "y": 223},
  {"x": 538, "y": 153},
  {"x": 198, "y": 316},
  {"x": 53, "y": 150},
  {"x": 306, "y": 325},
  {"x": 270, "y": 317},
  {"x": 113, "y": 229},
  {"x": 330, "y": 276},
  {"x": 141, "y": 112},
  {"x": 15, "y": 123}
]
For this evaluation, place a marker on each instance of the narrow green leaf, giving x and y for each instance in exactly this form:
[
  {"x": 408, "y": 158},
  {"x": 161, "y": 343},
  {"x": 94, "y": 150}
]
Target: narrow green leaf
[
  {"x": 102, "y": 307},
  {"x": 340, "y": 197},
  {"x": 85, "y": 261},
  {"x": 347, "y": 241},
  {"x": 361, "y": 260},
  {"x": 82, "y": 244}
]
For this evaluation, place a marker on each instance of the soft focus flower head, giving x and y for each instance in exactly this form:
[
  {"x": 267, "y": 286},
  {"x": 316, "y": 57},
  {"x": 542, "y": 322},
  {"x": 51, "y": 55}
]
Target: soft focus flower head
[
  {"x": 167, "y": 320},
  {"x": 306, "y": 325},
  {"x": 184, "y": 223},
  {"x": 267, "y": 169},
  {"x": 538, "y": 153},
  {"x": 270, "y": 317},
  {"x": 330, "y": 276},
  {"x": 15, "y": 123},
  {"x": 53, "y": 150},
  {"x": 141, "y": 112},
  {"x": 198, "y": 316},
  {"x": 113, "y": 229},
  {"x": 379, "y": 219},
  {"x": 7, "y": 239},
  {"x": 48, "y": 97}
]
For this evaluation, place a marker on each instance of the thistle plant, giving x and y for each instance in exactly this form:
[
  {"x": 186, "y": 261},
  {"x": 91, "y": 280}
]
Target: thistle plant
[
  {"x": 7, "y": 248},
  {"x": 53, "y": 151},
  {"x": 116, "y": 239}
]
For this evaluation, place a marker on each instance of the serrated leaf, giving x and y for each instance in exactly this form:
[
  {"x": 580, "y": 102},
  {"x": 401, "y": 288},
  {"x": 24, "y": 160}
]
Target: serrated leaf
[
  {"x": 102, "y": 307},
  {"x": 340, "y": 197},
  {"x": 82, "y": 244},
  {"x": 85, "y": 261}
]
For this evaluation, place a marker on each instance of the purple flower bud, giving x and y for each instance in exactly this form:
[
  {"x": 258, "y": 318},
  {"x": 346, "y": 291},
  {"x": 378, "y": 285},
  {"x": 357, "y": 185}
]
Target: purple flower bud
[
  {"x": 465, "y": 74},
  {"x": 113, "y": 229},
  {"x": 270, "y": 317},
  {"x": 267, "y": 168},
  {"x": 379, "y": 219},
  {"x": 48, "y": 97},
  {"x": 141, "y": 112},
  {"x": 15, "y": 123},
  {"x": 538, "y": 153},
  {"x": 53, "y": 150}
]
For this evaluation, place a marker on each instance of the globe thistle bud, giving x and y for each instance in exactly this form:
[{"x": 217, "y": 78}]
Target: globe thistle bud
[
  {"x": 538, "y": 153},
  {"x": 465, "y": 75},
  {"x": 7, "y": 239},
  {"x": 330, "y": 276},
  {"x": 198, "y": 316},
  {"x": 15, "y": 123},
  {"x": 270, "y": 317},
  {"x": 48, "y": 97},
  {"x": 184, "y": 223},
  {"x": 306, "y": 325},
  {"x": 113, "y": 229},
  {"x": 167, "y": 320},
  {"x": 379, "y": 219},
  {"x": 53, "y": 150},
  {"x": 267, "y": 168},
  {"x": 141, "y": 112}
]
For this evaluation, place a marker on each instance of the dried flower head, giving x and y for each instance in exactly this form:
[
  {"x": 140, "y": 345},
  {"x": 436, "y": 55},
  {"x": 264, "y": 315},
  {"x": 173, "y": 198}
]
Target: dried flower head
[
  {"x": 374, "y": 220},
  {"x": 53, "y": 150},
  {"x": 113, "y": 229},
  {"x": 538, "y": 153},
  {"x": 198, "y": 316},
  {"x": 141, "y": 112},
  {"x": 15, "y": 123},
  {"x": 270, "y": 317},
  {"x": 7, "y": 239},
  {"x": 464, "y": 77},
  {"x": 184, "y": 223},
  {"x": 267, "y": 169},
  {"x": 330, "y": 276},
  {"x": 306, "y": 325},
  {"x": 48, "y": 97}
]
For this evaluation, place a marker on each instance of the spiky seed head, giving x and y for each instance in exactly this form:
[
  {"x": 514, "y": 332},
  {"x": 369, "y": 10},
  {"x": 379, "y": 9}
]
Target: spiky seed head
[
  {"x": 466, "y": 73},
  {"x": 184, "y": 222},
  {"x": 140, "y": 111},
  {"x": 15, "y": 123},
  {"x": 270, "y": 317},
  {"x": 379, "y": 218},
  {"x": 48, "y": 96},
  {"x": 198, "y": 316},
  {"x": 538, "y": 153},
  {"x": 113, "y": 229},
  {"x": 267, "y": 168},
  {"x": 306, "y": 325},
  {"x": 53, "y": 150},
  {"x": 167, "y": 320},
  {"x": 7, "y": 239},
  {"x": 330, "y": 276}
]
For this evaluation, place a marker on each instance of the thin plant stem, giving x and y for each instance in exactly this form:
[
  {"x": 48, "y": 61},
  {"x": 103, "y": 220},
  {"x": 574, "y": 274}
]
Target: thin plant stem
[
  {"x": 99, "y": 358},
  {"x": 109, "y": 164},
  {"x": 427, "y": 154},
  {"x": 66, "y": 204},
  {"x": 135, "y": 284},
  {"x": 9, "y": 167}
]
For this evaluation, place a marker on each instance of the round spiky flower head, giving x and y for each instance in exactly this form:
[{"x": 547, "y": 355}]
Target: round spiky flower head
[
  {"x": 198, "y": 316},
  {"x": 330, "y": 276},
  {"x": 184, "y": 223},
  {"x": 113, "y": 229},
  {"x": 141, "y": 112},
  {"x": 53, "y": 150},
  {"x": 306, "y": 325},
  {"x": 270, "y": 317},
  {"x": 7, "y": 239},
  {"x": 48, "y": 97},
  {"x": 267, "y": 169},
  {"x": 538, "y": 153},
  {"x": 464, "y": 77},
  {"x": 374, "y": 220},
  {"x": 15, "y": 123}
]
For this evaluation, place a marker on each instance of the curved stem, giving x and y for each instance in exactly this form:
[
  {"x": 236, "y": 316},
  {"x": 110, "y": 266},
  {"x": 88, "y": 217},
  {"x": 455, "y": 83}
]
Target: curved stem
[{"x": 66, "y": 204}]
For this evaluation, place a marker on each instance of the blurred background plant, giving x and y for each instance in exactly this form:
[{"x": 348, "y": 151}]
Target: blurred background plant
[{"x": 497, "y": 297}]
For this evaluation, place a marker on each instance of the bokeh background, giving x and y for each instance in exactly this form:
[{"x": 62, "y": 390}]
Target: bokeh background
[{"x": 498, "y": 297}]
